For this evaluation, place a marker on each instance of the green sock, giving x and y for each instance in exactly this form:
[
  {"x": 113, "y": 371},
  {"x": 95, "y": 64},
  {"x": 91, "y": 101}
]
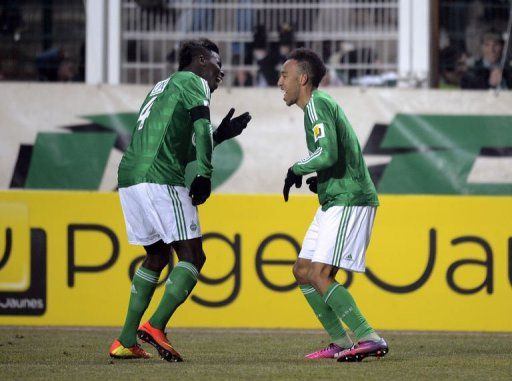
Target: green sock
[
  {"x": 326, "y": 316},
  {"x": 345, "y": 307},
  {"x": 178, "y": 287},
  {"x": 143, "y": 286}
]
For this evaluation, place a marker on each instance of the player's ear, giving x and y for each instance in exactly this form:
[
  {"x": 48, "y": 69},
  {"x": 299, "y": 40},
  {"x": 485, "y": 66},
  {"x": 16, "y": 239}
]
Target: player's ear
[
  {"x": 202, "y": 60},
  {"x": 303, "y": 79}
]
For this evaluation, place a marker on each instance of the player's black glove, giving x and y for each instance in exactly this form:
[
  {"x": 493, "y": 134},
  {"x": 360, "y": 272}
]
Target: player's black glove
[
  {"x": 229, "y": 128},
  {"x": 290, "y": 180},
  {"x": 313, "y": 184},
  {"x": 200, "y": 190}
]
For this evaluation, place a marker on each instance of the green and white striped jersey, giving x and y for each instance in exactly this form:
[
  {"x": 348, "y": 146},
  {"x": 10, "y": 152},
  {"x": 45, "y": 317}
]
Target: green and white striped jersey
[
  {"x": 335, "y": 154},
  {"x": 165, "y": 139}
]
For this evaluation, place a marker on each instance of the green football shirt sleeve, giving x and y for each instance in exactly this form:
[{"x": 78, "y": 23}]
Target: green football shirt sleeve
[
  {"x": 204, "y": 147},
  {"x": 196, "y": 94},
  {"x": 324, "y": 134}
]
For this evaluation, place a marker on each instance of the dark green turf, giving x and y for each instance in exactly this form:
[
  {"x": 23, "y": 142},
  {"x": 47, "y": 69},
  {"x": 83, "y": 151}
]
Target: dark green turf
[{"x": 64, "y": 354}]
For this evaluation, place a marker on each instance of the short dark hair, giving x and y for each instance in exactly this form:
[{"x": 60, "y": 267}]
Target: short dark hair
[
  {"x": 449, "y": 57},
  {"x": 310, "y": 63},
  {"x": 193, "y": 48},
  {"x": 494, "y": 35}
]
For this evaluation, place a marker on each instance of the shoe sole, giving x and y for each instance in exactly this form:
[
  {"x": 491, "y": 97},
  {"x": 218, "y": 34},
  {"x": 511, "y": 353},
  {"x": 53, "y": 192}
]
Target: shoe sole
[
  {"x": 360, "y": 356},
  {"x": 165, "y": 354},
  {"x": 127, "y": 358}
]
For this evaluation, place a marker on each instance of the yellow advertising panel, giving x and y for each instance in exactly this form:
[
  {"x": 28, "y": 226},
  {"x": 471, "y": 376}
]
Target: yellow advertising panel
[{"x": 434, "y": 263}]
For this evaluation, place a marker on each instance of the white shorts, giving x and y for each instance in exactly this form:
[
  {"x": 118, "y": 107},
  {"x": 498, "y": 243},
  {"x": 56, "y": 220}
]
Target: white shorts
[
  {"x": 155, "y": 211},
  {"x": 339, "y": 237}
]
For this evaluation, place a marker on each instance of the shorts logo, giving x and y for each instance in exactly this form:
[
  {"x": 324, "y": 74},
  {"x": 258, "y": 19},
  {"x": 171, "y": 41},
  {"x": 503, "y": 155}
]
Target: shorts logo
[
  {"x": 318, "y": 131},
  {"x": 349, "y": 257},
  {"x": 193, "y": 227}
]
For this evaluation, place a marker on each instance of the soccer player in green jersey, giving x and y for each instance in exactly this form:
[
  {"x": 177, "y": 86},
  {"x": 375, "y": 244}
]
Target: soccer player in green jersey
[
  {"x": 173, "y": 129},
  {"x": 340, "y": 231}
]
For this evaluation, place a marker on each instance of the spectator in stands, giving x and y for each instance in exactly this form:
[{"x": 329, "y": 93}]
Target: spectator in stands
[
  {"x": 243, "y": 78},
  {"x": 286, "y": 40},
  {"x": 54, "y": 65},
  {"x": 487, "y": 72},
  {"x": 267, "y": 73},
  {"x": 482, "y": 16},
  {"x": 358, "y": 56},
  {"x": 66, "y": 71},
  {"x": 453, "y": 66},
  {"x": 270, "y": 57}
]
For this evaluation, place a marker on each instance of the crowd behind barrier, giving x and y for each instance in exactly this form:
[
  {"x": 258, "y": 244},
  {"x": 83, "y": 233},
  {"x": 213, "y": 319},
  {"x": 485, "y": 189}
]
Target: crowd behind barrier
[{"x": 358, "y": 41}]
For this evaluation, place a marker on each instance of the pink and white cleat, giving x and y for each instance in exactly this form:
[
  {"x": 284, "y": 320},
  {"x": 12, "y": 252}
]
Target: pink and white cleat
[
  {"x": 363, "y": 349},
  {"x": 326, "y": 353}
]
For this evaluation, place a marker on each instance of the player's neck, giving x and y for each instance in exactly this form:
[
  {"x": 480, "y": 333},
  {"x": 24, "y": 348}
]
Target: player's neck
[
  {"x": 304, "y": 96},
  {"x": 194, "y": 69}
]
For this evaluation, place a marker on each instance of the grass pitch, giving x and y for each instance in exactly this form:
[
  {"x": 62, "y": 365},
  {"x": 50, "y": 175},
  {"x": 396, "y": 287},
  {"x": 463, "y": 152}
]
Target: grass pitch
[{"x": 36, "y": 353}]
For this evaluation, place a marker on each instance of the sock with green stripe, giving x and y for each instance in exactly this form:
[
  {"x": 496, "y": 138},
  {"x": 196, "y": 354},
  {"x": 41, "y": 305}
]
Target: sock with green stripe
[
  {"x": 143, "y": 286},
  {"x": 326, "y": 316},
  {"x": 342, "y": 303},
  {"x": 178, "y": 287}
]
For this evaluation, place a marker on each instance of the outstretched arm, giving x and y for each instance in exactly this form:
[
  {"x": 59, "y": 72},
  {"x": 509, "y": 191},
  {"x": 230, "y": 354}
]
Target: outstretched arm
[{"x": 229, "y": 128}]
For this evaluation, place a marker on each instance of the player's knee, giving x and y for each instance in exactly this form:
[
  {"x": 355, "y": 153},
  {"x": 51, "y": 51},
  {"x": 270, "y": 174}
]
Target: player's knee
[
  {"x": 199, "y": 260},
  {"x": 155, "y": 262},
  {"x": 300, "y": 272},
  {"x": 312, "y": 277},
  {"x": 319, "y": 275},
  {"x": 315, "y": 276}
]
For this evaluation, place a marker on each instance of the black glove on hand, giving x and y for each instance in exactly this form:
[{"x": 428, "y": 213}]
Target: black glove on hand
[
  {"x": 313, "y": 184},
  {"x": 229, "y": 128},
  {"x": 290, "y": 180},
  {"x": 200, "y": 190}
]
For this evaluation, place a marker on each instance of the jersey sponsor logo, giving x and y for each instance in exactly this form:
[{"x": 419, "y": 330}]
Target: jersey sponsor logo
[
  {"x": 318, "y": 131},
  {"x": 159, "y": 87}
]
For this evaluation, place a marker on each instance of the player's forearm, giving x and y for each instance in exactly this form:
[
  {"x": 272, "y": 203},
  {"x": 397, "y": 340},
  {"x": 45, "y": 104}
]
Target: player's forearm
[
  {"x": 321, "y": 159},
  {"x": 204, "y": 147}
]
